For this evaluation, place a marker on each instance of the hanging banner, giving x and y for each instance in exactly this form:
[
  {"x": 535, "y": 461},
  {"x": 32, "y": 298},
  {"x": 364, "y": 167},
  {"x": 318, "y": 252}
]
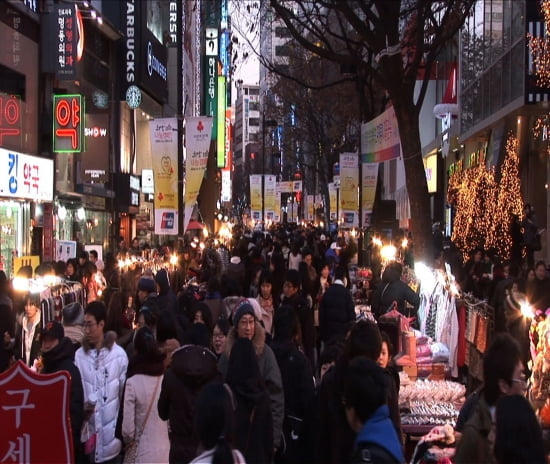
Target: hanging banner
[
  {"x": 198, "y": 133},
  {"x": 349, "y": 189},
  {"x": 277, "y": 208},
  {"x": 310, "y": 207},
  {"x": 380, "y": 138},
  {"x": 285, "y": 187},
  {"x": 333, "y": 199},
  {"x": 270, "y": 186},
  {"x": 256, "y": 197},
  {"x": 369, "y": 179}
]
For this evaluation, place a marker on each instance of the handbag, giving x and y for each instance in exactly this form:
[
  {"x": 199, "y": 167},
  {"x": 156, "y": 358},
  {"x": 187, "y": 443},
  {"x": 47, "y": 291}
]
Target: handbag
[{"x": 130, "y": 450}]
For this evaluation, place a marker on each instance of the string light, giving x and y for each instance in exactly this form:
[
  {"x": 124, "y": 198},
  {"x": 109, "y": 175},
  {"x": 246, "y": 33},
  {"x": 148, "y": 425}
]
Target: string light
[
  {"x": 540, "y": 49},
  {"x": 485, "y": 207}
]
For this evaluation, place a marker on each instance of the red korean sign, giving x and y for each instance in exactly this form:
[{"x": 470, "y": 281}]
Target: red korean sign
[
  {"x": 34, "y": 416},
  {"x": 10, "y": 118},
  {"x": 66, "y": 41},
  {"x": 67, "y": 123}
]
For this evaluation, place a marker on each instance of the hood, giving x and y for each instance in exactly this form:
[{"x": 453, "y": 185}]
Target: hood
[
  {"x": 258, "y": 340},
  {"x": 161, "y": 278},
  {"x": 194, "y": 365},
  {"x": 64, "y": 350},
  {"x": 379, "y": 430},
  {"x": 109, "y": 340}
]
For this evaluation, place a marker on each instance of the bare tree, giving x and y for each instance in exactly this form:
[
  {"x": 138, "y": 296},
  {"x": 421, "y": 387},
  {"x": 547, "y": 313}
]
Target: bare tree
[{"x": 392, "y": 43}]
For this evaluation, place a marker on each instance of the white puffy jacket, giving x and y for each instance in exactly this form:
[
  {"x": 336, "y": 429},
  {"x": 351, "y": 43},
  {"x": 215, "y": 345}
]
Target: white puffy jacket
[{"x": 103, "y": 374}]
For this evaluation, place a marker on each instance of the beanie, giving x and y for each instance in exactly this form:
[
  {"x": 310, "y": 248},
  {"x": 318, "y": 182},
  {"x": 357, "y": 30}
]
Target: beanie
[
  {"x": 73, "y": 314},
  {"x": 241, "y": 309},
  {"x": 146, "y": 284}
]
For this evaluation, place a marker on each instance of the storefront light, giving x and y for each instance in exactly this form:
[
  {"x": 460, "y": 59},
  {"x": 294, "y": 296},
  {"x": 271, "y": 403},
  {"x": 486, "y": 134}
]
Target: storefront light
[
  {"x": 8, "y": 212},
  {"x": 80, "y": 214},
  {"x": 61, "y": 213}
]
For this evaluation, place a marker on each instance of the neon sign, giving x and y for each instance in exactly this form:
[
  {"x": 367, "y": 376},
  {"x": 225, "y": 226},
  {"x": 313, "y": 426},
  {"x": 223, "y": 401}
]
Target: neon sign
[
  {"x": 10, "y": 116},
  {"x": 67, "y": 123}
]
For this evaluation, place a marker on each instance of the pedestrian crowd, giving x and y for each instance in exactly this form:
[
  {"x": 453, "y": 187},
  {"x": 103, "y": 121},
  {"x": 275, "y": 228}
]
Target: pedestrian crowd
[{"x": 248, "y": 352}]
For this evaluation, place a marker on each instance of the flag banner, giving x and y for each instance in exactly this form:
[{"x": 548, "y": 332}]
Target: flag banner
[
  {"x": 285, "y": 187},
  {"x": 310, "y": 199},
  {"x": 256, "y": 197},
  {"x": 349, "y": 189},
  {"x": 380, "y": 138},
  {"x": 270, "y": 187},
  {"x": 198, "y": 134},
  {"x": 333, "y": 200},
  {"x": 369, "y": 175}
]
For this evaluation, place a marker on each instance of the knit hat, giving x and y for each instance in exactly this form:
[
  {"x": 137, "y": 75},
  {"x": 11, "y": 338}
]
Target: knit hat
[
  {"x": 241, "y": 309},
  {"x": 53, "y": 329},
  {"x": 73, "y": 314},
  {"x": 147, "y": 284}
]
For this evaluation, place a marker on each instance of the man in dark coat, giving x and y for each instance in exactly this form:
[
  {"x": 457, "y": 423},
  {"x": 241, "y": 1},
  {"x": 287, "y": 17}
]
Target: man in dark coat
[
  {"x": 299, "y": 390},
  {"x": 192, "y": 367},
  {"x": 58, "y": 355},
  {"x": 294, "y": 297},
  {"x": 166, "y": 298},
  {"x": 336, "y": 310}
]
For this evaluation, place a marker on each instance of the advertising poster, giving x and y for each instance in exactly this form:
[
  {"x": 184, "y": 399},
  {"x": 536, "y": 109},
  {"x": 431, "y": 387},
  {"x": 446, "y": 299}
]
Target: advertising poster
[
  {"x": 349, "y": 189},
  {"x": 270, "y": 187},
  {"x": 256, "y": 197},
  {"x": 198, "y": 133},
  {"x": 333, "y": 198},
  {"x": 64, "y": 250},
  {"x": 370, "y": 177},
  {"x": 380, "y": 138}
]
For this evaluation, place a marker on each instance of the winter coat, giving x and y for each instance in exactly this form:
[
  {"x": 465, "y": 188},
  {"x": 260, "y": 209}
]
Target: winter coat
[
  {"x": 336, "y": 311},
  {"x": 378, "y": 430},
  {"x": 191, "y": 369},
  {"x": 391, "y": 289},
  {"x": 103, "y": 374},
  {"x": 300, "y": 406},
  {"x": 138, "y": 395},
  {"x": 307, "y": 323},
  {"x": 61, "y": 358},
  {"x": 19, "y": 347},
  {"x": 166, "y": 299},
  {"x": 476, "y": 444},
  {"x": 270, "y": 373}
]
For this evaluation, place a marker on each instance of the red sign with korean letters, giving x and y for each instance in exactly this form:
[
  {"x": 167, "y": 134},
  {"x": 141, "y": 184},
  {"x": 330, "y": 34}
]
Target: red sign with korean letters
[
  {"x": 10, "y": 117},
  {"x": 66, "y": 41},
  {"x": 34, "y": 416},
  {"x": 67, "y": 123},
  {"x": 25, "y": 176}
]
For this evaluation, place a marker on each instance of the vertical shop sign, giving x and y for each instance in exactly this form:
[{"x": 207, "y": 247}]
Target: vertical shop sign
[
  {"x": 66, "y": 40},
  {"x": 256, "y": 197},
  {"x": 270, "y": 187},
  {"x": 10, "y": 117},
  {"x": 67, "y": 123},
  {"x": 369, "y": 173},
  {"x": 164, "y": 151},
  {"x": 220, "y": 127}
]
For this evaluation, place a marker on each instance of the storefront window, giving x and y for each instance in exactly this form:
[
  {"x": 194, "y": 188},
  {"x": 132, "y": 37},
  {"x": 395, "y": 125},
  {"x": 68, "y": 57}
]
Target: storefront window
[
  {"x": 87, "y": 227},
  {"x": 11, "y": 224}
]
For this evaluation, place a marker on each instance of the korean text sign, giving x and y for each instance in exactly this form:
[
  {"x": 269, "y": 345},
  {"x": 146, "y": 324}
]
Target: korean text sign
[
  {"x": 25, "y": 176},
  {"x": 68, "y": 125}
]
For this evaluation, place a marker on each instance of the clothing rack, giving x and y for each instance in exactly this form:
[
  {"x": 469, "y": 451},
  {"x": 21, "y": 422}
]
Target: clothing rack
[{"x": 54, "y": 298}]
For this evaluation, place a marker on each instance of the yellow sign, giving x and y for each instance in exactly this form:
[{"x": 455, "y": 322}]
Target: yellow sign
[{"x": 20, "y": 261}]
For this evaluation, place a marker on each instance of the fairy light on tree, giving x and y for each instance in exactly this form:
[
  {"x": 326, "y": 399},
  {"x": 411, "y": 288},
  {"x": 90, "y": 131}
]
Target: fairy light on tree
[
  {"x": 508, "y": 201},
  {"x": 540, "y": 49}
]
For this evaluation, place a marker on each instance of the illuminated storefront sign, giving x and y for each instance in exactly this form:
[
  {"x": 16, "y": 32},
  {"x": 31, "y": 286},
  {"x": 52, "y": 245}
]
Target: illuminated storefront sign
[
  {"x": 25, "y": 176},
  {"x": 10, "y": 117},
  {"x": 66, "y": 40},
  {"x": 220, "y": 127},
  {"x": 173, "y": 23},
  {"x": 67, "y": 123},
  {"x": 94, "y": 162}
]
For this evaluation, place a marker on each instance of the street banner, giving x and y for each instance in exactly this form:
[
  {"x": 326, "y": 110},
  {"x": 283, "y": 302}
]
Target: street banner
[
  {"x": 310, "y": 199},
  {"x": 198, "y": 133},
  {"x": 164, "y": 153},
  {"x": 380, "y": 138},
  {"x": 370, "y": 177},
  {"x": 333, "y": 199},
  {"x": 270, "y": 187},
  {"x": 285, "y": 186},
  {"x": 349, "y": 189},
  {"x": 277, "y": 213},
  {"x": 28, "y": 399},
  {"x": 256, "y": 197}
]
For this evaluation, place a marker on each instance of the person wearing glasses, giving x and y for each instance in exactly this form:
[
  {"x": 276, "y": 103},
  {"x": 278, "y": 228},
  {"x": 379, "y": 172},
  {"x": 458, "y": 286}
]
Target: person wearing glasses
[
  {"x": 504, "y": 375},
  {"x": 103, "y": 365}
]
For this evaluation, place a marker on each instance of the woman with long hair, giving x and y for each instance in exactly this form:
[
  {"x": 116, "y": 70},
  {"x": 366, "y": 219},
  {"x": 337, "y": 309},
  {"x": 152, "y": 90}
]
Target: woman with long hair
[
  {"x": 214, "y": 427},
  {"x": 144, "y": 433}
]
